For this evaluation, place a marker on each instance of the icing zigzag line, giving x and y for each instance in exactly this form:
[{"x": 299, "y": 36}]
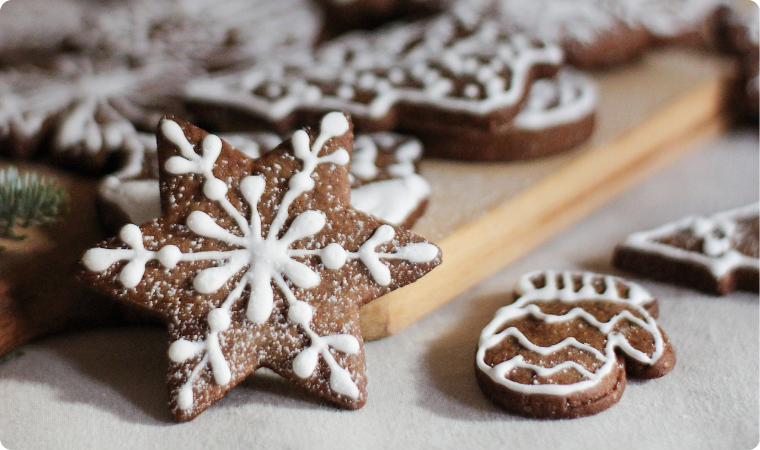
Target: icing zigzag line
[{"x": 550, "y": 292}]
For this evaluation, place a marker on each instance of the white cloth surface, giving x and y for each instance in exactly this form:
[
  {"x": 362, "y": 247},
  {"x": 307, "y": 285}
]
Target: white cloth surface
[{"x": 105, "y": 388}]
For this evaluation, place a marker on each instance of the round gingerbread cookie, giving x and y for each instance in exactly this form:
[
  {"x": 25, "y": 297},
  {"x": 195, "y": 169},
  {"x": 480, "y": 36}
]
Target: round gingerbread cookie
[{"x": 564, "y": 348}]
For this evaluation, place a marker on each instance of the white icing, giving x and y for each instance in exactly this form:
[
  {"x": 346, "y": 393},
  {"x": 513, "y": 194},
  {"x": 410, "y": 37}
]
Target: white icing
[
  {"x": 585, "y": 21},
  {"x": 263, "y": 260},
  {"x": 92, "y": 107},
  {"x": 139, "y": 199},
  {"x": 565, "y": 99},
  {"x": 557, "y": 20},
  {"x": 222, "y": 32},
  {"x": 391, "y": 200},
  {"x": 429, "y": 54},
  {"x": 528, "y": 304},
  {"x": 718, "y": 232},
  {"x": 668, "y": 18},
  {"x": 752, "y": 22}
]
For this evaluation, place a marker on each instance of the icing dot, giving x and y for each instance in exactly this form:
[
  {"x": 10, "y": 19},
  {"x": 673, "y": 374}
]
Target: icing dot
[
  {"x": 305, "y": 362},
  {"x": 215, "y": 189},
  {"x": 334, "y": 124},
  {"x": 341, "y": 382},
  {"x": 300, "y": 312},
  {"x": 367, "y": 81},
  {"x": 396, "y": 75},
  {"x": 301, "y": 183},
  {"x": 169, "y": 256},
  {"x": 346, "y": 92},
  {"x": 185, "y": 398},
  {"x": 334, "y": 256},
  {"x": 348, "y": 77},
  {"x": 419, "y": 253},
  {"x": 182, "y": 350},
  {"x": 312, "y": 94},
  {"x": 485, "y": 73},
  {"x": 131, "y": 235},
  {"x": 273, "y": 90},
  {"x": 219, "y": 320},
  {"x": 472, "y": 91}
]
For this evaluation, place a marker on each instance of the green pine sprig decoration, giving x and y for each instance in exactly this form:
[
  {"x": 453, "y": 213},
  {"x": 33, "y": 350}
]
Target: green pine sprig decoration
[{"x": 29, "y": 200}]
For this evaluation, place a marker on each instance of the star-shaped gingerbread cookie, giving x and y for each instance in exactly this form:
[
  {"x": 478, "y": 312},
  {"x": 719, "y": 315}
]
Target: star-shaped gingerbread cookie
[
  {"x": 716, "y": 254},
  {"x": 258, "y": 263}
]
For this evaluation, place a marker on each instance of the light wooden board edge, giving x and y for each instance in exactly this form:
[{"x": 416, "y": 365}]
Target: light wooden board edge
[{"x": 483, "y": 247}]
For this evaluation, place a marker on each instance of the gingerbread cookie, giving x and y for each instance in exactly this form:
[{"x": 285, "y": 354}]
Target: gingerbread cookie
[
  {"x": 383, "y": 176},
  {"x": 441, "y": 78},
  {"x": 132, "y": 195},
  {"x": 385, "y": 182},
  {"x": 675, "y": 21},
  {"x": 599, "y": 33},
  {"x": 217, "y": 35},
  {"x": 559, "y": 114},
  {"x": 716, "y": 254},
  {"x": 344, "y": 15},
  {"x": 258, "y": 263},
  {"x": 738, "y": 34},
  {"x": 81, "y": 112},
  {"x": 563, "y": 349}
]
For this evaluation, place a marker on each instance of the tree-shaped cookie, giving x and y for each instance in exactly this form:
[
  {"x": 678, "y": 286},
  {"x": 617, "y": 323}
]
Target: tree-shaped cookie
[
  {"x": 564, "y": 347},
  {"x": 258, "y": 263},
  {"x": 716, "y": 254}
]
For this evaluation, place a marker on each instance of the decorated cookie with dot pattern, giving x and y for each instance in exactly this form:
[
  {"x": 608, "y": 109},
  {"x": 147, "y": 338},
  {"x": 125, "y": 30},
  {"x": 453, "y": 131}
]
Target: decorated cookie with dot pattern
[
  {"x": 716, "y": 254},
  {"x": 443, "y": 80},
  {"x": 258, "y": 263},
  {"x": 566, "y": 345},
  {"x": 383, "y": 176}
]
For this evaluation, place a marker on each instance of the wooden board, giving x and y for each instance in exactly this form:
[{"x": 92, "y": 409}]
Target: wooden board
[
  {"x": 482, "y": 215},
  {"x": 485, "y": 216}
]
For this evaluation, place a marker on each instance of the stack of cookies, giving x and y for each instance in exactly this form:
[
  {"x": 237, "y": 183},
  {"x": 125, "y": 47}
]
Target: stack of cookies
[{"x": 258, "y": 237}]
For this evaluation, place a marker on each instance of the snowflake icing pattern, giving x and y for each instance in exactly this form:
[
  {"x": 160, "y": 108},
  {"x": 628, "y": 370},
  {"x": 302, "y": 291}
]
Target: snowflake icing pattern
[{"x": 262, "y": 259}]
